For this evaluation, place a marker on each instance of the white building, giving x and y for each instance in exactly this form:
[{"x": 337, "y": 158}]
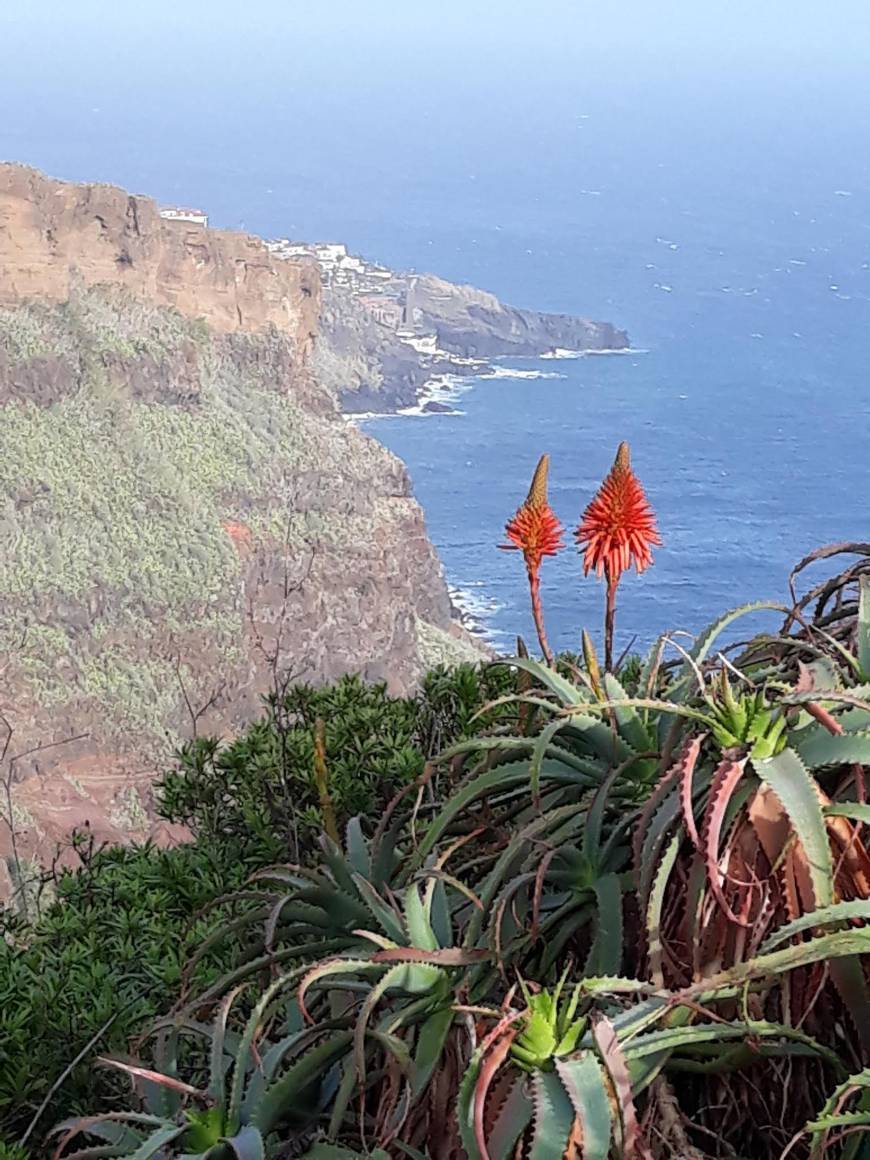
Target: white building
[{"x": 177, "y": 213}]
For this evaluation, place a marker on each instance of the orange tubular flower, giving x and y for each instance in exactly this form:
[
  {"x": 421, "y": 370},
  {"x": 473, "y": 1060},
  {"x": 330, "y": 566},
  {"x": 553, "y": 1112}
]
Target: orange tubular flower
[
  {"x": 536, "y": 532},
  {"x": 618, "y": 528}
]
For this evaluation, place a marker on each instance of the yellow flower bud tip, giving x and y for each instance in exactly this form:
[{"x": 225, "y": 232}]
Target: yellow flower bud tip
[
  {"x": 623, "y": 456},
  {"x": 537, "y": 496}
]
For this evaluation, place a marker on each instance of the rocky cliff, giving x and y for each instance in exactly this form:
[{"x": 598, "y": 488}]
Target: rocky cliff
[
  {"x": 474, "y": 323},
  {"x": 55, "y": 236},
  {"x": 183, "y": 512}
]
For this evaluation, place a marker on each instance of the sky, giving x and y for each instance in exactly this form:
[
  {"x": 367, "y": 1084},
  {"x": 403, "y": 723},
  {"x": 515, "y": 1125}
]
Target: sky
[{"x": 334, "y": 105}]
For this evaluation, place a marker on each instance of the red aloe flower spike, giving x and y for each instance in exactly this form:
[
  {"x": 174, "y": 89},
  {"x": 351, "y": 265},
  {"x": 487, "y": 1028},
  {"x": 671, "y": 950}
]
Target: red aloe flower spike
[
  {"x": 618, "y": 528},
  {"x": 536, "y": 532}
]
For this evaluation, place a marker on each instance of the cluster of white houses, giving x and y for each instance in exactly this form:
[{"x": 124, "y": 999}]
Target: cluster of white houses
[
  {"x": 179, "y": 213},
  {"x": 376, "y": 288}
]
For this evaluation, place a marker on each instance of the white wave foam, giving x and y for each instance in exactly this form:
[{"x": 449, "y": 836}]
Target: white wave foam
[
  {"x": 476, "y": 610},
  {"x": 508, "y": 373}
]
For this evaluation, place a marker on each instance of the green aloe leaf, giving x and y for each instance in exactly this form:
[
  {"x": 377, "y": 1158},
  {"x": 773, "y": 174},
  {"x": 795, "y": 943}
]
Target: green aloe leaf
[
  {"x": 553, "y": 1117},
  {"x": 628, "y": 720},
  {"x": 585, "y": 1084},
  {"x": 567, "y": 693},
  {"x": 357, "y": 848},
  {"x": 291, "y": 1094},
  {"x": 864, "y": 627},
  {"x": 705, "y": 640},
  {"x": 157, "y": 1141},
  {"x": 817, "y": 747},
  {"x": 787, "y": 776},
  {"x": 430, "y": 1043},
  {"x": 857, "y": 811},
  {"x": 247, "y": 1144},
  {"x": 838, "y": 912},
  {"x": 605, "y": 956},
  {"x": 417, "y": 921}
]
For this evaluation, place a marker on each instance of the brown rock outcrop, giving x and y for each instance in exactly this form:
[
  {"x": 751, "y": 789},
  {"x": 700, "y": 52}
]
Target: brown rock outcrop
[{"x": 55, "y": 235}]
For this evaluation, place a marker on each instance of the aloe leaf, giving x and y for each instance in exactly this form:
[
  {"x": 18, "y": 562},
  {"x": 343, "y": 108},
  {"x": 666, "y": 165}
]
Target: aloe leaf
[
  {"x": 725, "y": 782},
  {"x": 653, "y": 840},
  {"x": 605, "y": 957},
  {"x": 684, "y": 1038},
  {"x": 654, "y": 907},
  {"x": 586, "y": 1087},
  {"x": 271, "y": 1061},
  {"x": 417, "y": 921},
  {"x": 837, "y": 912},
  {"x": 705, "y": 640},
  {"x": 840, "y": 1120},
  {"x": 430, "y": 1043},
  {"x": 553, "y": 1117},
  {"x": 217, "y": 1067},
  {"x": 337, "y": 863},
  {"x": 567, "y": 693},
  {"x": 157, "y": 1141},
  {"x": 857, "y": 811},
  {"x": 465, "y": 1105},
  {"x": 650, "y": 667},
  {"x": 631, "y": 727},
  {"x": 595, "y": 816},
  {"x": 539, "y": 752},
  {"x": 389, "y": 920},
  {"x": 787, "y": 776},
  {"x": 510, "y": 1122},
  {"x": 501, "y": 778},
  {"x": 816, "y": 747},
  {"x": 290, "y": 1095},
  {"x": 863, "y": 649},
  {"x": 610, "y": 1051},
  {"x": 839, "y": 944},
  {"x": 357, "y": 848},
  {"x": 247, "y": 1144}
]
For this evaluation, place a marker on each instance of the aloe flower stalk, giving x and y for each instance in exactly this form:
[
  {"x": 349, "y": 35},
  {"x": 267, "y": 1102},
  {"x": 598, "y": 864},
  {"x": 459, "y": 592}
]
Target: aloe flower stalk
[
  {"x": 536, "y": 532},
  {"x": 618, "y": 529}
]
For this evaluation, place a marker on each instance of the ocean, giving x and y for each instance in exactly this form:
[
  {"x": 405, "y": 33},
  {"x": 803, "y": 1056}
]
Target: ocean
[{"x": 714, "y": 202}]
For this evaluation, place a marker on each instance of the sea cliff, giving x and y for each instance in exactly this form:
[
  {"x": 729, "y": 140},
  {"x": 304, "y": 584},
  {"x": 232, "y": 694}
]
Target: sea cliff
[{"x": 186, "y": 519}]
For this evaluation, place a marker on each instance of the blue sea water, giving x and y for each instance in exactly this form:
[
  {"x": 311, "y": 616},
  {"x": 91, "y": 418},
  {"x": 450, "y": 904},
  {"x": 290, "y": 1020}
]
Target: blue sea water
[{"x": 705, "y": 185}]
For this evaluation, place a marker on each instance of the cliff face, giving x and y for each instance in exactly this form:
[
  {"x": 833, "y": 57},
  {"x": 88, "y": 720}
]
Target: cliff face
[
  {"x": 55, "y": 236},
  {"x": 183, "y": 512}
]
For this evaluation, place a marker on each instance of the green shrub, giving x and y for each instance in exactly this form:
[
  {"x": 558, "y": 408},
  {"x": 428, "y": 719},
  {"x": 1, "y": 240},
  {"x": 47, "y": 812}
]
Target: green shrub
[
  {"x": 263, "y": 782},
  {"x": 116, "y": 940}
]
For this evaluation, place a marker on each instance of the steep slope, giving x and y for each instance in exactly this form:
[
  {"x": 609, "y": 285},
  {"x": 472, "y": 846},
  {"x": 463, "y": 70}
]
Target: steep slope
[{"x": 183, "y": 512}]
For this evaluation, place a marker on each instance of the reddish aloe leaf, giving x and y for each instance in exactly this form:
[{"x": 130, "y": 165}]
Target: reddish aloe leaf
[
  {"x": 725, "y": 781},
  {"x": 604, "y": 1034},
  {"x": 492, "y": 1061},
  {"x": 539, "y": 889},
  {"x": 686, "y": 766},
  {"x": 655, "y": 799},
  {"x": 446, "y": 957},
  {"x": 157, "y": 1077}
]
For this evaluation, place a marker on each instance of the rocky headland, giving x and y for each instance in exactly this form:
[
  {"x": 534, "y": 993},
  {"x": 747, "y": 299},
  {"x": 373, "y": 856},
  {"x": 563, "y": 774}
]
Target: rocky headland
[{"x": 385, "y": 334}]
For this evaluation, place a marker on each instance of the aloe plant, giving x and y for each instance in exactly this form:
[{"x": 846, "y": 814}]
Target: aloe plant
[{"x": 634, "y": 899}]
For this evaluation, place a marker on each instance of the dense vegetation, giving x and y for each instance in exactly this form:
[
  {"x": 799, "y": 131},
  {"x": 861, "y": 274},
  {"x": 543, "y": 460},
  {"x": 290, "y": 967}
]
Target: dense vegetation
[
  {"x": 620, "y": 913},
  {"x": 109, "y": 953}
]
